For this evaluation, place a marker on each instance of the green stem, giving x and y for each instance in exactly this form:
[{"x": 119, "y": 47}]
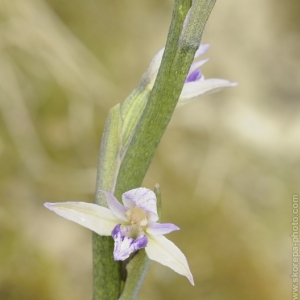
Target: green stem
[
  {"x": 178, "y": 56},
  {"x": 177, "y": 59},
  {"x": 137, "y": 269}
]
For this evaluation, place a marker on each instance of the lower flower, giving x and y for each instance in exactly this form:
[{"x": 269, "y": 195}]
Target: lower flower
[{"x": 133, "y": 226}]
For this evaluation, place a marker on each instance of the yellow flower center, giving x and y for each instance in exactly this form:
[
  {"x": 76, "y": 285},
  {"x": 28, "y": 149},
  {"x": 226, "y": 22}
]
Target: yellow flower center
[{"x": 137, "y": 215}]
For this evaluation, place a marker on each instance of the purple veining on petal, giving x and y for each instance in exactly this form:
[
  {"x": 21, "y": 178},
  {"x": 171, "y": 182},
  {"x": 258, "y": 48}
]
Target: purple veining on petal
[
  {"x": 161, "y": 228},
  {"x": 194, "y": 76},
  {"x": 127, "y": 200},
  {"x": 125, "y": 245},
  {"x": 143, "y": 198}
]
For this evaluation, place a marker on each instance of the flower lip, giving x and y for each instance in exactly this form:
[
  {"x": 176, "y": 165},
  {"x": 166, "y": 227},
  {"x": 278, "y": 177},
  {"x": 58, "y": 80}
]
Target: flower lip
[
  {"x": 194, "y": 76},
  {"x": 124, "y": 244}
]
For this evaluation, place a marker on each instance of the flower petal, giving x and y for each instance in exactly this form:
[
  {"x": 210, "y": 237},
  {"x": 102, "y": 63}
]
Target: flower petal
[
  {"x": 158, "y": 228},
  {"x": 151, "y": 73},
  {"x": 95, "y": 217},
  {"x": 194, "y": 89},
  {"x": 194, "y": 76},
  {"x": 115, "y": 206},
  {"x": 201, "y": 50},
  {"x": 125, "y": 245},
  {"x": 143, "y": 198},
  {"x": 167, "y": 253},
  {"x": 197, "y": 64}
]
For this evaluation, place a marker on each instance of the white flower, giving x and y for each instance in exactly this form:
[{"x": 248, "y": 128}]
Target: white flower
[
  {"x": 133, "y": 226},
  {"x": 195, "y": 84}
]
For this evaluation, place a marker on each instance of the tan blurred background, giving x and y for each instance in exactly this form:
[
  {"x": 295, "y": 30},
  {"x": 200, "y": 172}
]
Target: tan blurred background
[{"x": 228, "y": 164}]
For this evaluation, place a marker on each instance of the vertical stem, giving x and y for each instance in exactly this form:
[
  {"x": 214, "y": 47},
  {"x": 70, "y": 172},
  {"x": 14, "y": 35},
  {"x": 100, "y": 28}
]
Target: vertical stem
[
  {"x": 106, "y": 271},
  {"x": 179, "y": 54}
]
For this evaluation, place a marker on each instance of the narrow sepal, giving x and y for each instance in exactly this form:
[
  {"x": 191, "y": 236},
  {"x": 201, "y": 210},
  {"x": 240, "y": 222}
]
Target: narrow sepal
[{"x": 95, "y": 217}]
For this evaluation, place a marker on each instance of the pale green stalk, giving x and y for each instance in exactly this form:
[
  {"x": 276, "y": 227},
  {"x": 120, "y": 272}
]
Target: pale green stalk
[
  {"x": 107, "y": 272},
  {"x": 178, "y": 56},
  {"x": 131, "y": 112}
]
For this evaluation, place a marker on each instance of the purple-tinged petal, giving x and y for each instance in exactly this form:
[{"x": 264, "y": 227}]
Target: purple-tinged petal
[
  {"x": 193, "y": 76},
  {"x": 158, "y": 228},
  {"x": 125, "y": 245},
  {"x": 167, "y": 253},
  {"x": 95, "y": 217},
  {"x": 115, "y": 206},
  {"x": 197, "y": 64},
  {"x": 194, "y": 89},
  {"x": 143, "y": 198},
  {"x": 127, "y": 201},
  {"x": 201, "y": 50},
  {"x": 151, "y": 73}
]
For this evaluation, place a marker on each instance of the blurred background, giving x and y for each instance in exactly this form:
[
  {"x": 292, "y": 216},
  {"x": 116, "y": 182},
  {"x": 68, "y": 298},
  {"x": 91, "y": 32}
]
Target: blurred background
[{"x": 228, "y": 164}]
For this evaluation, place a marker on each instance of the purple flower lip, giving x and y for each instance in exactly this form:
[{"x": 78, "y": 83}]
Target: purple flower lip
[
  {"x": 194, "y": 76},
  {"x": 125, "y": 245}
]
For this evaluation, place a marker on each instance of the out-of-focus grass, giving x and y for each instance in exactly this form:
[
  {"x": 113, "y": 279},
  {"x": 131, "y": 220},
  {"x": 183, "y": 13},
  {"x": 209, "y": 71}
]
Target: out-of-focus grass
[{"x": 228, "y": 164}]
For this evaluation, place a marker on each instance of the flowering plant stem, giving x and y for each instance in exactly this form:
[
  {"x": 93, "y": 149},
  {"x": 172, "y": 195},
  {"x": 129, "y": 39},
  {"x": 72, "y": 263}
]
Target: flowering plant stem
[
  {"x": 177, "y": 59},
  {"x": 119, "y": 176}
]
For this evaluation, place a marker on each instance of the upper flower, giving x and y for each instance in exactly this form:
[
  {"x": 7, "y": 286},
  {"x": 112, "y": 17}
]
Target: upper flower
[
  {"x": 195, "y": 84},
  {"x": 133, "y": 226}
]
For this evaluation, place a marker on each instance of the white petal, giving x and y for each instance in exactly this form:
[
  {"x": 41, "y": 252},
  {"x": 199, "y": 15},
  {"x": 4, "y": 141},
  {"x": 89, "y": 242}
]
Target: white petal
[
  {"x": 167, "y": 253},
  {"x": 115, "y": 206},
  {"x": 194, "y": 89},
  {"x": 95, "y": 217},
  {"x": 143, "y": 198}
]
